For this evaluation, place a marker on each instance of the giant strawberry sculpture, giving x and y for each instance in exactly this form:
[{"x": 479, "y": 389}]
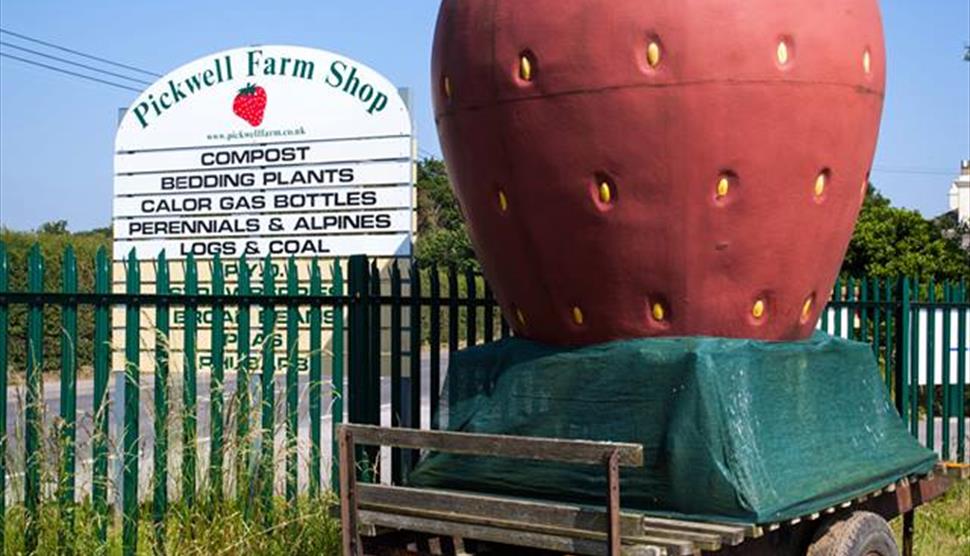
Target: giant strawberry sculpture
[{"x": 636, "y": 168}]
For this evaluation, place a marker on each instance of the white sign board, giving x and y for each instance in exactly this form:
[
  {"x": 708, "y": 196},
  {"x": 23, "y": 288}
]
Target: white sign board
[{"x": 265, "y": 150}]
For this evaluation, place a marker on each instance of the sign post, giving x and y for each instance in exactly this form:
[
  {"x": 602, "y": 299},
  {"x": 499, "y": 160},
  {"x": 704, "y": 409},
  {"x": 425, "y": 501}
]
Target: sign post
[{"x": 264, "y": 154}]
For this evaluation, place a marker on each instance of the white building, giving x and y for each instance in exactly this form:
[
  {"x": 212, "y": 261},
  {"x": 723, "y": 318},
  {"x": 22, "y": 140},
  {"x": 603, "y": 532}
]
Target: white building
[{"x": 960, "y": 193}]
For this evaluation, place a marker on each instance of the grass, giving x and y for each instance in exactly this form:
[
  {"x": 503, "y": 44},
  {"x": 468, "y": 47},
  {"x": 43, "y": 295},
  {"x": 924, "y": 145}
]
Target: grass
[
  {"x": 208, "y": 529},
  {"x": 942, "y": 529},
  {"x": 943, "y": 526}
]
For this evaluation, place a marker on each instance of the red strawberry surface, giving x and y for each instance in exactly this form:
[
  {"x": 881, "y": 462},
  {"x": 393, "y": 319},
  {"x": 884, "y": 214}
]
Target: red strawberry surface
[
  {"x": 250, "y": 104},
  {"x": 635, "y": 168}
]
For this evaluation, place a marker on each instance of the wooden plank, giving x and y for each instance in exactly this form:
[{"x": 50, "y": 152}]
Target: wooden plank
[
  {"x": 547, "y": 541},
  {"x": 498, "y": 522},
  {"x": 732, "y": 534},
  {"x": 642, "y": 550},
  {"x": 530, "y": 511},
  {"x": 904, "y": 499},
  {"x": 484, "y": 533},
  {"x": 613, "y": 502},
  {"x": 349, "y": 515},
  {"x": 528, "y": 514},
  {"x": 702, "y": 541},
  {"x": 648, "y": 535},
  {"x": 929, "y": 489},
  {"x": 959, "y": 471},
  {"x": 519, "y": 447}
]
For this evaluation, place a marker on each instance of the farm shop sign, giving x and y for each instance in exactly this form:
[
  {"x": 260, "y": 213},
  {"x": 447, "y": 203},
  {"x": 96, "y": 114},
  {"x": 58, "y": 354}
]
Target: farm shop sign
[
  {"x": 271, "y": 150},
  {"x": 257, "y": 64}
]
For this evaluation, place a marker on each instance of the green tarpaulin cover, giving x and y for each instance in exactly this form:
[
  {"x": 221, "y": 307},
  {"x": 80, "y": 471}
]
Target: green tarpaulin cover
[{"x": 732, "y": 429}]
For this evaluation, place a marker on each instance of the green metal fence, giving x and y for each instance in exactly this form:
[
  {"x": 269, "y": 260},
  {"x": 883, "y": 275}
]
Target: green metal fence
[
  {"x": 388, "y": 327},
  {"x": 919, "y": 333}
]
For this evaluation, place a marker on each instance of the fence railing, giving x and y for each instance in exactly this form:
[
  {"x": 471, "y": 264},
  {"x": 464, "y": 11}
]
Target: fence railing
[
  {"x": 186, "y": 418},
  {"x": 920, "y": 333}
]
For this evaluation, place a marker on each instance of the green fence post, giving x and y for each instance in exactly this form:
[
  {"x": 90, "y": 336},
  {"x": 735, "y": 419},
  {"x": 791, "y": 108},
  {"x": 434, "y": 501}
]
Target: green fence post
[
  {"x": 316, "y": 376},
  {"x": 189, "y": 379},
  {"x": 336, "y": 373},
  {"x": 489, "y": 315},
  {"x": 914, "y": 360},
  {"x": 217, "y": 380},
  {"x": 961, "y": 398},
  {"x": 414, "y": 403},
  {"x": 876, "y": 339},
  {"x": 4, "y": 332},
  {"x": 356, "y": 337},
  {"x": 35, "y": 367},
  {"x": 162, "y": 355},
  {"x": 396, "y": 367},
  {"x": 292, "y": 378},
  {"x": 453, "y": 317},
  {"x": 131, "y": 430},
  {"x": 374, "y": 352},
  {"x": 471, "y": 309},
  {"x": 268, "y": 394},
  {"x": 243, "y": 418},
  {"x": 851, "y": 308},
  {"x": 506, "y": 331},
  {"x": 102, "y": 355},
  {"x": 945, "y": 370},
  {"x": 890, "y": 341},
  {"x": 68, "y": 398},
  {"x": 837, "y": 297},
  {"x": 434, "y": 375},
  {"x": 372, "y": 390},
  {"x": 358, "y": 388},
  {"x": 931, "y": 365},
  {"x": 864, "y": 335},
  {"x": 902, "y": 359}
]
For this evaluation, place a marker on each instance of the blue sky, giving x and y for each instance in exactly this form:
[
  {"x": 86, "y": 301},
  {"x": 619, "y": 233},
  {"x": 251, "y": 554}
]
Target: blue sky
[{"x": 57, "y": 132}]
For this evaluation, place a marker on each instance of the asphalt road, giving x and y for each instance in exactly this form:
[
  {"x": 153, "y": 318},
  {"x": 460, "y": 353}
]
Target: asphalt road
[{"x": 85, "y": 422}]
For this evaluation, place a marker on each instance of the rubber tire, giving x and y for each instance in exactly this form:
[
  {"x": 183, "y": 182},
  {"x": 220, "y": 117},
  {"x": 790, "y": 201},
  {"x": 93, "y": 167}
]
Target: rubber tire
[{"x": 860, "y": 534}]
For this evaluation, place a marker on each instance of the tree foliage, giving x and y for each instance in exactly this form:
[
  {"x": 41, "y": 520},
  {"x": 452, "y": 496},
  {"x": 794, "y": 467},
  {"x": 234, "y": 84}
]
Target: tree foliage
[
  {"x": 442, "y": 236},
  {"x": 57, "y": 228},
  {"x": 891, "y": 241}
]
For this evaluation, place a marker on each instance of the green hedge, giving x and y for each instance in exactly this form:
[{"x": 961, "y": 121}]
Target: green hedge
[{"x": 52, "y": 247}]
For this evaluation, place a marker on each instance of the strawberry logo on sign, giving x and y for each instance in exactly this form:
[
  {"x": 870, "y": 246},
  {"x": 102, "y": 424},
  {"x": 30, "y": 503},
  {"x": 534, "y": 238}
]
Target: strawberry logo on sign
[
  {"x": 250, "y": 104},
  {"x": 634, "y": 168}
]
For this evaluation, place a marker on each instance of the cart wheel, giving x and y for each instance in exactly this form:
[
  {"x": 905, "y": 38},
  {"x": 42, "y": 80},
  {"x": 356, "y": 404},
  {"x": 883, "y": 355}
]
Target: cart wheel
[{"x": 860, "y": 534}]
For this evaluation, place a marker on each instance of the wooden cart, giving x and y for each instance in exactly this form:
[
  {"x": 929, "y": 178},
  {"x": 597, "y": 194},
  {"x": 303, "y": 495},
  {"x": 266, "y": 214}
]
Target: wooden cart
[{"x": 382, "y": 519}]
